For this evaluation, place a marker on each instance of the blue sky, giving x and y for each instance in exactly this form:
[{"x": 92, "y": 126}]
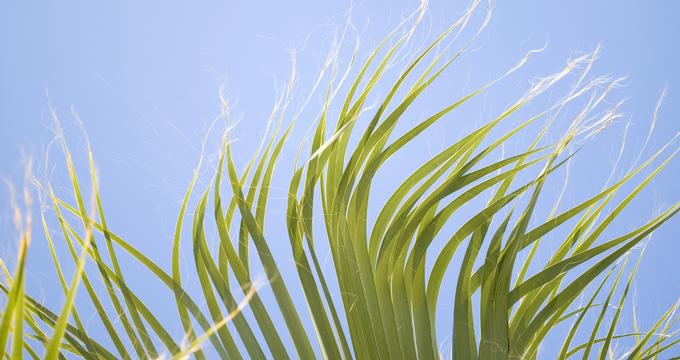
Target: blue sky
[{"x": 144, "y": 78}]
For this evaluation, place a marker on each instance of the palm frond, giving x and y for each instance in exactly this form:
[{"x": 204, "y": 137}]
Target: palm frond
[{"x": 390, "y": 269}]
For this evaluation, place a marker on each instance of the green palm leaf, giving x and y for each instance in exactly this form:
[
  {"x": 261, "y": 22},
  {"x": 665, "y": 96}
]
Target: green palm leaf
[{"x": 381, "y": 298}]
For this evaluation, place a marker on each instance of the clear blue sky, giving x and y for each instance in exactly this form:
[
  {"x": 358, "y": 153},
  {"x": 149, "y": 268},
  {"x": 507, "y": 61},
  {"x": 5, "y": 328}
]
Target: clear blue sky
[{"x": 144, "y": 78}]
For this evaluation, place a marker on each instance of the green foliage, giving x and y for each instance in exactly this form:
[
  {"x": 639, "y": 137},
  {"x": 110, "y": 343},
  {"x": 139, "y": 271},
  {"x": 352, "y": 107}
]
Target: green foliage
[{"x": 390, "y": 272}]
